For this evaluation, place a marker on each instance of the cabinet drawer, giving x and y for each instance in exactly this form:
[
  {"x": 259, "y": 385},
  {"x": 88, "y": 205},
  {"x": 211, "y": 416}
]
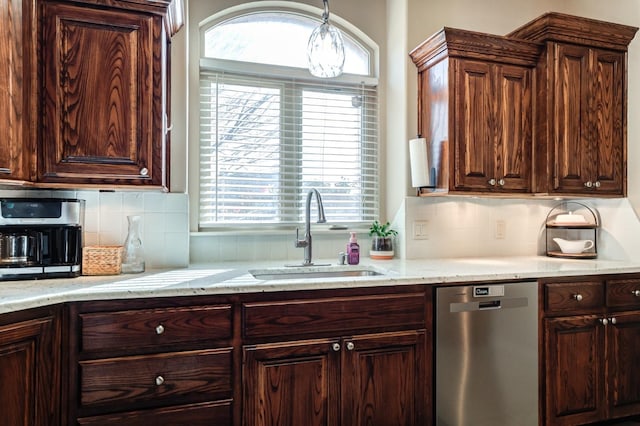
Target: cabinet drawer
[
  {"x": 574, "y": 297},
  {"x": 623, "y": 293},
  {"x": 207, "y": 414},
  {"x": 196, "y": 375},
  {"x": 124, "y": 330},
  {"x": 333, "y": 315}
]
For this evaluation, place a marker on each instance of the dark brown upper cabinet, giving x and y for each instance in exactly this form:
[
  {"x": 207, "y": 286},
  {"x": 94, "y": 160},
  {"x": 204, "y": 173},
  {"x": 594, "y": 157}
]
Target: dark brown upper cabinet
[
  {"x": 475, "y": 108},
  {"x": 105, "y": 95},
  {"x": 542, "y": 110},
  {"x": 581, "y": 106},
  {"x": 17, "y": 88},
  {"x": 84, "y": 92}
]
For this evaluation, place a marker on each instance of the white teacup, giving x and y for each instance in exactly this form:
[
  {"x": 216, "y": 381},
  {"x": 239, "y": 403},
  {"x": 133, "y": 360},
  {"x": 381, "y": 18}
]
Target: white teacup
[{"x": 573, "y": 246}]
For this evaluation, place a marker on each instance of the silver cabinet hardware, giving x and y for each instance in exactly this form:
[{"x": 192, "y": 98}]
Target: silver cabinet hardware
[
  {"x": 636, "y": 293},
  {"x": 492, "y": 182},
  {"x": 335, "y": 347},
  {"x": 350, "y": 346},
  {"x": 501, "y": 182},
  {"x": 159, "y": 329},
  {"x": 159, "y": 380},
  {"x": 604, "y": 321},
  {"x": 578, "y": 297},
  {"x": 144, "y": 171}
]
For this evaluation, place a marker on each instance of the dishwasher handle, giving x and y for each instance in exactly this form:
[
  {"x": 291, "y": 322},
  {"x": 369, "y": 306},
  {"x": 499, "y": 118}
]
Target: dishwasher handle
[{"x": 486, "y": 305}]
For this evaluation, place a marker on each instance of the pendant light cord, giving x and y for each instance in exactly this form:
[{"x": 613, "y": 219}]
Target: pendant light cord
[{"x": 325, "y": 14}]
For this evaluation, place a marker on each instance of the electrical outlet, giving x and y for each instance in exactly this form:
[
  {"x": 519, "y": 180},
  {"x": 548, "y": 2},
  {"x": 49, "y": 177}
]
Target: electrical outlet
[
  {"x": 501, "y": 229},
  {"x": 421, "y": 230}
]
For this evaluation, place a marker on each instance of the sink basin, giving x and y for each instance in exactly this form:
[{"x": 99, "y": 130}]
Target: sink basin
[{"x": 292, "y": 274}]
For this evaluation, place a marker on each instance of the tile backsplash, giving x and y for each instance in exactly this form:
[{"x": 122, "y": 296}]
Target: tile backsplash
[
  {"x": 164, "y": 217},
  {"x": 455, "y": 227}
]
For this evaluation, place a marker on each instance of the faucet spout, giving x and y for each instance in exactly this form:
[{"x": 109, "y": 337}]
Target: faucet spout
[{"x": 307, "y": 241}]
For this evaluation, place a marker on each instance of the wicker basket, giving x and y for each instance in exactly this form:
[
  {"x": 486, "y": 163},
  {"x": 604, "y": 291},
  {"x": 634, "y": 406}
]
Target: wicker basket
[{"x": 101, "y": 260}]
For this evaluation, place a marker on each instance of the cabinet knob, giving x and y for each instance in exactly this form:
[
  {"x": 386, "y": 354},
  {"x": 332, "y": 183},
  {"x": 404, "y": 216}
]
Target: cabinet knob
[
  {"x": 350, "y": 346},
  {"x": 597, "y": 184},
  {"x": 159, "y": 329},
  {"x": 613, "y": 320},
  {"x": 335, "y": 347},
  {"x": 144, "y": 171},
  {"x": 636, "y": 293},
  {"x": 588, "y": 184},
  {"x": 501, "y": 182},
  {"x": 159, "y": 380},
  {"x": 604, "y": 321},
  {"x": 492, "y": 182},
  {"x": 578, "y": 297}
]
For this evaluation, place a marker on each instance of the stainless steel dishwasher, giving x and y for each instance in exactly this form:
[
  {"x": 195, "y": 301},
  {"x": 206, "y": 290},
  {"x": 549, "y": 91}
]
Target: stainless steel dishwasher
[{"x": 487, "y": 355}]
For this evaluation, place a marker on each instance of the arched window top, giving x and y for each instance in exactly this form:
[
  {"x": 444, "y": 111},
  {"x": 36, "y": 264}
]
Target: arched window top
[{"x": 275, "y": 37}]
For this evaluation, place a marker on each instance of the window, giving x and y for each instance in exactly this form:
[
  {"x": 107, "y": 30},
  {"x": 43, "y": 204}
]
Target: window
[{"x": 269, "y": 132}]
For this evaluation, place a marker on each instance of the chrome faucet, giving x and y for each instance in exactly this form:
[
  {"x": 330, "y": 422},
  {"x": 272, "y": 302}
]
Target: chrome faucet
[{"x": 306, "y": 242}]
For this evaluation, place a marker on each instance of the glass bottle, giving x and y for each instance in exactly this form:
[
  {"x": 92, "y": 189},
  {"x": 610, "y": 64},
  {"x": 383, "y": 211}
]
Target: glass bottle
[{"x": 133, "y": 254}]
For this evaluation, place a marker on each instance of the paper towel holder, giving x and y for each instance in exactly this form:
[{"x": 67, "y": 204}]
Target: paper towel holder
[{"x": 423, "y": 176}]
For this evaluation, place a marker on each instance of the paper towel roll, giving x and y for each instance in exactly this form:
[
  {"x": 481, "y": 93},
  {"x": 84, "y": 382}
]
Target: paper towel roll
[{"x": 419, "y": 163}]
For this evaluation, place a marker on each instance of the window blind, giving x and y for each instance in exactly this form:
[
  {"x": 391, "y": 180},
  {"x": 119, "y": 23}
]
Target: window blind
[{"x": 265, "y": 142}]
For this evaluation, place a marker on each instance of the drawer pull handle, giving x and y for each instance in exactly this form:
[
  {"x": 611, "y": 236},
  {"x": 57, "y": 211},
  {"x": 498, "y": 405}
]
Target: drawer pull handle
[
  {"x": 159, "y": 329},
  {"x": 159, "y": 380},
  {"x": 350, "y": 346},
  {"x": 578, "y": 297},
  {"x": 636, "y": 293},
  {"x": 335, "y": 347}
]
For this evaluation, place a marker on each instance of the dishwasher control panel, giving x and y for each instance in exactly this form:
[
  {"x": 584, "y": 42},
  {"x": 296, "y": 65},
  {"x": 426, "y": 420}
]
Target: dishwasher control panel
[{"x": 488, "y": 291}]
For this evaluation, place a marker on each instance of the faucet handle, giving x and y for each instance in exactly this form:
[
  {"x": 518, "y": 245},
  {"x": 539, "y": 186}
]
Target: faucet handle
[{"x": 299, "y": 242}]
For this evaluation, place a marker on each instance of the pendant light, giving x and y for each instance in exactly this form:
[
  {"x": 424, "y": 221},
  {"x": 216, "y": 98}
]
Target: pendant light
[{"x": 325, "y": 50}]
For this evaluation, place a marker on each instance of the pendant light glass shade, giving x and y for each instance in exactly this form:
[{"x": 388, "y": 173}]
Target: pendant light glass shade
[{"x": 325, "y": 50}]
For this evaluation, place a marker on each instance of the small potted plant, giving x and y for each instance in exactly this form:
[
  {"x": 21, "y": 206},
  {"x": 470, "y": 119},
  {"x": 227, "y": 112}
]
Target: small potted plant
[{"x": 381, "y": 240}]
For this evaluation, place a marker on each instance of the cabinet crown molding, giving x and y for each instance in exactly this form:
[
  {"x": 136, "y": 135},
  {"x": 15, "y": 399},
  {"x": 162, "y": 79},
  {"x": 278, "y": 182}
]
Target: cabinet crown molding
[
  {"x": 553, "y": 26},
  {"x": 453, "y": 42}
]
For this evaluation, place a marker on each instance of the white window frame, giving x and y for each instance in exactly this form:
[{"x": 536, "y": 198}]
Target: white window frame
[{"x": 265, "y": 70}]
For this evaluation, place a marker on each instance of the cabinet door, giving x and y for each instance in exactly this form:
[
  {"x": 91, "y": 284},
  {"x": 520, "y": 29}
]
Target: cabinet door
[
  {"x": 29, "y": 371},
  {"x": 623, "y": 373},
  {"x": 385, "y": 381},
  {"x": 292, "y": 384},
  {"x": 574, "y": 376},
  {"x": 474, "y": 145},
  {"x": 514, "y": 127},
  {"x": 103, "y": 96},
  {"x": 589, "y": 114},
  {"x": 17, "y": 88},
  {"x": 607, "y": 118},
  {"x": 572, "y": 156}
]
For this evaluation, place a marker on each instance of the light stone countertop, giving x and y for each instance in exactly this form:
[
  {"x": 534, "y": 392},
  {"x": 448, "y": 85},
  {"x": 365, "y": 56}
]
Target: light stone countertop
[{"x": 232, "y": 278}]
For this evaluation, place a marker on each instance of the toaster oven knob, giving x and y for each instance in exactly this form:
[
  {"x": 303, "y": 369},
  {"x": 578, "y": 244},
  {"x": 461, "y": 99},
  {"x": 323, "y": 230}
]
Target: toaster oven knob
[{"x": 159, "y": 329}]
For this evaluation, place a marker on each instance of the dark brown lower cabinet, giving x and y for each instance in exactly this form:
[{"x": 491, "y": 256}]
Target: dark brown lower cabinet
[
  {"x": 575, "y": 391},
  {"x": 29, "y": 372},
  {"x": 374, "y": 380},
  {"x": 591, "y": 361}
]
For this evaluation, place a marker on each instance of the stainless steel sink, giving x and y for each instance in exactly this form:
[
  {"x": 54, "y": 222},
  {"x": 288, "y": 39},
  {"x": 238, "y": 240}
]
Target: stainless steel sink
[{"x": 292, "y": 274}]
